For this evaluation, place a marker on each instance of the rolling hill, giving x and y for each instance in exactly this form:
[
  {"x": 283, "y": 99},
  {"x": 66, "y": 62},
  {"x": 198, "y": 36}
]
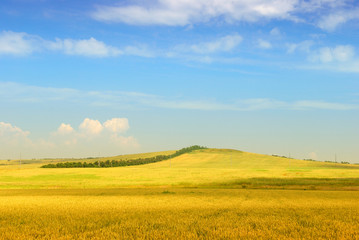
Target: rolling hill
[{"x": 200, "y": 168}]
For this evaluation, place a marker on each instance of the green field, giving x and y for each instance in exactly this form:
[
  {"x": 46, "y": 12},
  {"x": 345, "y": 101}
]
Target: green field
[{"x": 205, "y": 194}]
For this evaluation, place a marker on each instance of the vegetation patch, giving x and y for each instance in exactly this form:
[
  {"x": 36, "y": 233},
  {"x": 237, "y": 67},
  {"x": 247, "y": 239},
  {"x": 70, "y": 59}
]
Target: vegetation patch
[
  {"x": 291, "y": 183},
  {"x": 168, "y": 192},
  {"x": 122, "y": 163}
]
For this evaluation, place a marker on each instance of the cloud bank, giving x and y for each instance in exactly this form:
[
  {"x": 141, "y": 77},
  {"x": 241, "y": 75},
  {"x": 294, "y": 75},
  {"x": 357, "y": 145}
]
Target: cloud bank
[
  {"x": 91, "y": 136},
  {"x": 332, "y": 21},
  {"x": 342, "y": 58},
  {"x": 339, "y": 53},
  {"x": 223, "y": 49},
  {"x": 92, "y": 128},
  {"x": 184, "y": 12},
  {"x": 13, "y": 92},
  {"x": 8, "y": 130}
]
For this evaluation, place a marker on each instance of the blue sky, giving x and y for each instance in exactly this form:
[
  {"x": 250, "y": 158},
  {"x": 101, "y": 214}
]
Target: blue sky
[{"x": 115, "y": 77}]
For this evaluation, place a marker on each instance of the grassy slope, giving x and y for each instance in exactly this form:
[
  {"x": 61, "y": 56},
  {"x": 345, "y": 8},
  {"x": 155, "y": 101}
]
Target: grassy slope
[{"x": 205, "y": 168}]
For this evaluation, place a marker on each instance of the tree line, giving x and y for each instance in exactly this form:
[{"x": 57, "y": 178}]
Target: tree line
[{"x": 122, "y": 163}]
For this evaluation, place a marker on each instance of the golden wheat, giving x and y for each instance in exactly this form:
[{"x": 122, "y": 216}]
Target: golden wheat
[{"x": 178, "y": 214}]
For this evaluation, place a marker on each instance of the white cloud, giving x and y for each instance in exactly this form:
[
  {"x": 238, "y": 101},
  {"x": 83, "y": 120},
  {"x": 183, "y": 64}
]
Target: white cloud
[
  {"x": 22, "y": 93},
  {"x": 340, "y": 53},
  {"x": 141, "y": 16},
  {"x": 323, "y": 105},
  {"x": 8, "y": 130},
  {"x": 13, "y": 137},
  {"x": 91, "y": 127},
  {"x": 189, "y": 12},
  {"x": 254, "y": 104},
  {"x": 340, "y": 58},
  {"x": 332, "y": 21},
  {"x": 190, "y": 105},
  {"x": 223, "y": 44},
  {"x": 92, "y": 130},
  {"x": 86, "y": 47},
  {"x": 141, "y": 51},
  {"x": 65, "y": 129},
  {"x": 117, "y": 125},
  {"x": 186, "y": 12},
  {"x": 343, "y": 53},
  {"x": 260, "y": 104},
  {"x": 66, "y": 141},
  {"x": 12, "y": 43},
  {"x": 116, "y": 100},
  {"x": 264, "y": 44},
  {"x": 275, "y": 32},
  {"x": 325, "y": 55},
  {"x": 304, "y": 46},
  {"x": 314, "y": 5}
]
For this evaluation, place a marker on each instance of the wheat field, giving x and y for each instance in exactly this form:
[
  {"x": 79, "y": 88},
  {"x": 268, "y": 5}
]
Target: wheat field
[
  {"x": 207, "y": 194},
  {"x": 178, "y": 214}
]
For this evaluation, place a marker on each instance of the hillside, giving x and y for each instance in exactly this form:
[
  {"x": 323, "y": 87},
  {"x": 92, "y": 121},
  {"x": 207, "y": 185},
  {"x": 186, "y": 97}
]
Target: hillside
[{"x": 201, "y": 168}]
